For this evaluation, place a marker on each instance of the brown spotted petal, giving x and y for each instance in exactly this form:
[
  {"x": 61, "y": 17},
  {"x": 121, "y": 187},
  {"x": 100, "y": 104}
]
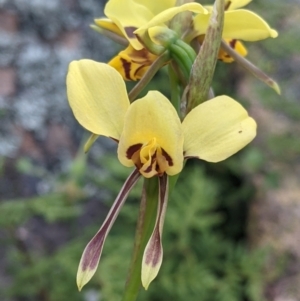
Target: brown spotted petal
[
  {"x": 132, "y": 64},
  {"x": 92, "y": 252},
  {"x": 152, "y": 123},
  {"x": 153, "y": 253}
]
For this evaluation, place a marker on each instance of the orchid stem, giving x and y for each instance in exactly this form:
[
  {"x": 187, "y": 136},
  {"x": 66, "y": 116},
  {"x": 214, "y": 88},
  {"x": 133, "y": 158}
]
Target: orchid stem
[
  {"x": 157, "y": 64},
  {"x": 175, "y": 89},
  {"x": 144, "y": 229}
]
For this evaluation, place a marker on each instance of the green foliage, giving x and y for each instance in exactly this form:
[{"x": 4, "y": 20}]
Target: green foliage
[{"x": 203, "y": 260}]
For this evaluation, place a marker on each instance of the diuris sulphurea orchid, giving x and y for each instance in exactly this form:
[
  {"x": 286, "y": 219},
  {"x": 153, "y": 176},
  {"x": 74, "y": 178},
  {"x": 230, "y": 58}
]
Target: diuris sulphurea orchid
[
  {"x": 239, "y": 24},
  {"x": 135, "y": 59},
  {"x": 152, "y": 140}
]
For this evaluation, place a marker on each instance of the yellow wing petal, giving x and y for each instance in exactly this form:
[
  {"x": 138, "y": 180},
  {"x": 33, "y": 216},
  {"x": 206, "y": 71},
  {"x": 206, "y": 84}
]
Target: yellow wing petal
[
  {"x": 157, "y": 7},
  {"x": 234, "y": 4},
  {"x": 246, "y": 25},
  {"x": 128, "y": 16},
  {"x": 238, "y": 24},
  {"x": 168, "y": 14},
  {"x": 217, "y": 129},
  {"x": 98, "y": 97}
]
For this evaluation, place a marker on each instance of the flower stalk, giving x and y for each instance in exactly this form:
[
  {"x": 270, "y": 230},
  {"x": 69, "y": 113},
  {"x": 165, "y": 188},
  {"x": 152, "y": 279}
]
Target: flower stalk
[{"x": 205, "y": 63}]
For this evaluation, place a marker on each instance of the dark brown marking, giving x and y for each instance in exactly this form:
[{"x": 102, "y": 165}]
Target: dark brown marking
[
  {"x": 153, "y": 161},
  {"x": 227, "y": 5},
  {"x": 137, "y": 71},
  {"x": 240, "y": 132},
  {"x": 149, "y": 168},
  {"x": 167, "y": 156},
  {"x": 116, "y": 140},
  {"x": 232, "y": 43},
  {"x": 133, "y": 149},
  {"x": 127, "y": 67},
  {"x": 129, "y": 31},
  {"x": 153, "y": 253}
]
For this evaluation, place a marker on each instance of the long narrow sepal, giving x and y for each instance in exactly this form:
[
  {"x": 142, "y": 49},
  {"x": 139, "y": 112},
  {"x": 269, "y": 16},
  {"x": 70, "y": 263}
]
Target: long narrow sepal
[
  {"x": 251, "y": 68},
  {"x": 153, "y": 253},
  {"x": 91, "y": 255}
]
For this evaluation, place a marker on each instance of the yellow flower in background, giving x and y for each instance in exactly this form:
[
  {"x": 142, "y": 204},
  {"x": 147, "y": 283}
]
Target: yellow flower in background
[
  {"x": 152, "y": 139},
  {"x": 239, "y": 24},
  {"x": 132, "y": 64},
  {"x": 124, "y": 17}
]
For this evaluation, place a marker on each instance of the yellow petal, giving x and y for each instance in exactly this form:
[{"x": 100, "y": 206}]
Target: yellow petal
[
  {"x": 234, "y": 44},
  {"x": 217, "y": 129},
  {"x": 157, "y": 7},
  {"x": 246, "y": 25},
  {"x": 239, "y": 24},
  {"x": 131, "y": 63},
  {"x": 234, "y": 4},
  {"x": 109, "y": 25},
  {"x": 153, "y": 120},
  {"x": 168, "y": 14},
  {"x": 98, "y": 97},
  {"x": 128, "y": 16}
]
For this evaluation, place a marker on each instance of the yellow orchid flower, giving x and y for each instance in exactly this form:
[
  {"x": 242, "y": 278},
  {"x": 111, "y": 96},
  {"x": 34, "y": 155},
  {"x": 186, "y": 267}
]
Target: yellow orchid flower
[
  {"x": 152, "y": 139},
  {"x": 239, "y": 24},
  {"x": 135, "y": 60}
]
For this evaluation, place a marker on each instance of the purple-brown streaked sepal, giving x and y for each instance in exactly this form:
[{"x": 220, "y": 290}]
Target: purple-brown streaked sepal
[
  {"x": 153, "y": 253},
  {"x": 91, "y": 255}
]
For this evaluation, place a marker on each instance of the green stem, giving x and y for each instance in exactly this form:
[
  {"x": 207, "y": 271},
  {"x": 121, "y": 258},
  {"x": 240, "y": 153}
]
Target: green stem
[
  {"x": 204, "y": 66},
  {"x": 175, "y": 89},
  {"x": 144, "y": 229},
  {"x": 157, "y": 64}
]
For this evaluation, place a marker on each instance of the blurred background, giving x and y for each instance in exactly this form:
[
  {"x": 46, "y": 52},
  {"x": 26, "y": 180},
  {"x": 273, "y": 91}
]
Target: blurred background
[{"x": 239, "y": 233}]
